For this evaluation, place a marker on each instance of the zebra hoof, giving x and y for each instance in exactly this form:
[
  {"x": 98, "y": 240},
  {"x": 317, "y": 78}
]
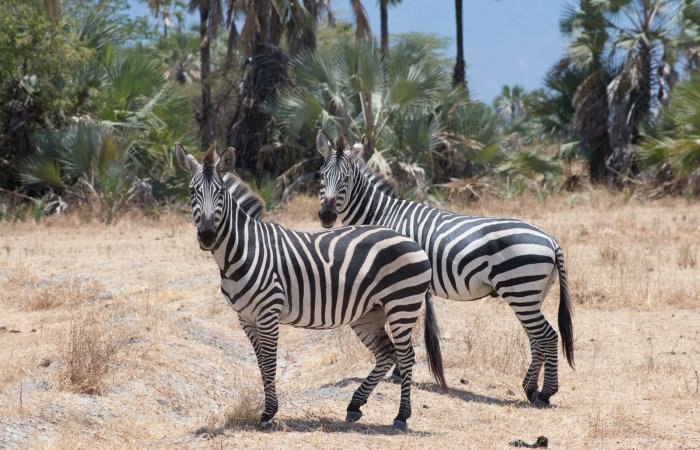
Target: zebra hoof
[
  {"x": 394, "y": 378},
  {"x": 537, "y": 401},
  {"x": 353, "y": 416},
  {"x": 400, "y": 426},
  {"x": 265, "y": 426}
]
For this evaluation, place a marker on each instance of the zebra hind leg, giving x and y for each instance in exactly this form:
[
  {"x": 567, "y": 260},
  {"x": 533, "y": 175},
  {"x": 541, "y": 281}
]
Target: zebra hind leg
[
  {"x": 395, "y": 376},
  {"x": 543, "y": 347},
  {"x": 370, "y": 329},
  {"x": 533, "y": 372},
  {"x": 549, "y": 349}
]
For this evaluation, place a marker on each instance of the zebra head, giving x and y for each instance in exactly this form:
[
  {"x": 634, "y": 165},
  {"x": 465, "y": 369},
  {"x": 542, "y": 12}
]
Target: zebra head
[
  {"x": 207, "y": 190},
  {"x": 336, "y": 177}
]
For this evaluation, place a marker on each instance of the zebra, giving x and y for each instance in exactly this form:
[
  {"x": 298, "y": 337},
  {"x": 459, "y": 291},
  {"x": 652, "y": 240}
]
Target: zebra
[
  {"x": 364, "y": 277},
  {"x": 472, "y": 257}
]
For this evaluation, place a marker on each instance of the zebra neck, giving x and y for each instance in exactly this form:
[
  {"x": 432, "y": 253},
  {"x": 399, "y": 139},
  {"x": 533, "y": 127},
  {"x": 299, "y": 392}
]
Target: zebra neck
[
  {"x": 236, "y": 240},
  {"x": 367, "y": 204}
]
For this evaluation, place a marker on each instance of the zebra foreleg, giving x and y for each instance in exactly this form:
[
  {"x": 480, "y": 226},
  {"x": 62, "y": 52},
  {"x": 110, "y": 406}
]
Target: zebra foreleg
[
  {"x": 370, "y": 330},
  {"x": 264, "y": 338},
  {"x": 405, "y": 357}
]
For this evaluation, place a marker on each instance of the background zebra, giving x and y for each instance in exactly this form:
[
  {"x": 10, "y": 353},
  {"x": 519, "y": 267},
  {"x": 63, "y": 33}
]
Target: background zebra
[
  {"x": 471, "y": 257},
  {"x": 361, "y": 276}
]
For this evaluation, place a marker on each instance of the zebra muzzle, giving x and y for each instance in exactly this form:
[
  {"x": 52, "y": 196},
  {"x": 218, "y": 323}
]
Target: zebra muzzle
[
  {"x": 328, "y": 216},
  {"x": 206, "y": 234}
]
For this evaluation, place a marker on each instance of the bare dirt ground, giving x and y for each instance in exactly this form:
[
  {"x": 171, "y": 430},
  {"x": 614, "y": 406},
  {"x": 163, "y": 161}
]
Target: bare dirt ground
[{"x": 118, "y": 337}]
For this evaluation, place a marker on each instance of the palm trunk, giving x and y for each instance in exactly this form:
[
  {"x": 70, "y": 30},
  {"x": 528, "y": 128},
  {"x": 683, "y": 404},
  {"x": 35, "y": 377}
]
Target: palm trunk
[
  {"x": 230, "y": 45},
  {"x": 384, "y": 17},
  {"x": 309, "y": 42},
  {"x": 205, "y": 122},
  {"x": 459, "y": 77},
  {"x": 642, "y": 99},
  {"x": 265, "y": 72},
  {"x": 590, "y": 122}
]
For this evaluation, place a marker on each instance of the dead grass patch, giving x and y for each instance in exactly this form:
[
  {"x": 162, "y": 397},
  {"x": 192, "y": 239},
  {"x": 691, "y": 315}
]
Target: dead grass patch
[
  {"x": 687, "y": 258},
  {"x": 344, "y": 351},
  {"x": 42, "y": 300},
  {"x": 499, "y": 346},
  {"x": 28, "y": 293},
  {"x": 243, "y": 411},
  {"x": 621, "y": 422},
  {"x": 19, "y": 275},
  {"x": 90, "y": 350}
]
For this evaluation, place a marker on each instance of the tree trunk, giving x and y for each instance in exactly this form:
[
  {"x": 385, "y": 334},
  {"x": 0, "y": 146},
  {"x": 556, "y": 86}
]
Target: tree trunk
[
  {"x": 590, "y": 122},
  {"x": 309, "y": 42},
  {"x": 641, "y": 97},
  {"x": 205, "y": 118},
  {"x": 264, "y": 73},
  {"x": 384, "y": 17},
  {"x": 233, "y": 38},
  {"x": 306, "y": 40},
  {"x": 459, "y": 77},
  {"x": 633, "y": 110}
]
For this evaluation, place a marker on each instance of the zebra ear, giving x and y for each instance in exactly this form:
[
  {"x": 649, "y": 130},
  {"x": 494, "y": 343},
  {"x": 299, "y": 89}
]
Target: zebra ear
[
  {"x": 227, "y": 160},
  {"x": 322, "y": 144},
  {"x": 356, "y": 150},
  {"x": 186, "y": 161}
]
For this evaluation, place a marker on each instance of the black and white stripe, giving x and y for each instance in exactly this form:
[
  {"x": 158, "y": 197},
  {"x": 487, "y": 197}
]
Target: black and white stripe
[
  {"x": 364, "y": 277},
  {"x": 471, "y": 257}
]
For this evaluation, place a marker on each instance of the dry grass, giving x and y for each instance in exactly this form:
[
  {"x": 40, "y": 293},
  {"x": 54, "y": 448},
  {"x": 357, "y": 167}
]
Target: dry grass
[
  {"x": 89, "y": 350},
  {"x": 152, "y": 336},
  {"x": 243, "y": 411},
  {"x": 687, "y": 258}
]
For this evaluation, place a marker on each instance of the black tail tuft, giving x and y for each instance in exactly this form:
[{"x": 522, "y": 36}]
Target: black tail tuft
[
  {"x": 432, "y": 342},
  {"x": 566, "y": 326}
]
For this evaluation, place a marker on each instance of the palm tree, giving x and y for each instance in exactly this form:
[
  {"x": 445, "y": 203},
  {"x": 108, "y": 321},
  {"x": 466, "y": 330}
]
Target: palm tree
[
  {"x": 362, "y": 29},
  {"x": 628, "y": 50},
  {"x": 353, "y": 90},
  {"x": 587, "y": 63},
  {"x": 672, "y": 146},
  {"x": 510, "y": 105},
  {"x": 384, "y": 18},
  {"x": 211, "y": 17},
  {"x": 179, "y": 54},
  {"x": 459, "y": 76},
  {"x": 53, "y": 8}
]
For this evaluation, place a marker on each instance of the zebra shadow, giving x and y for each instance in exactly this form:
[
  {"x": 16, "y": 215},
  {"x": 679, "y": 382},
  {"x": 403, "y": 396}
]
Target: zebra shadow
[
  {"x": 466, "y": 396},
  {"x": 309, "y": 425},
  {"x": 469, "y": 396},
  {"x": 330, "y": 425}
]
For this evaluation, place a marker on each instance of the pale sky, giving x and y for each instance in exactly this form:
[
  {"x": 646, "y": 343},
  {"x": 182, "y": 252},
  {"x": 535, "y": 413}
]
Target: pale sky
[{"x": 505, "y": 41}]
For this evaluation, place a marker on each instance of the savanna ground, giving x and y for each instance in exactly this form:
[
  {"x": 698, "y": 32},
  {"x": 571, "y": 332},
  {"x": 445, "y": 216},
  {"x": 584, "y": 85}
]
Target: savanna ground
[{"x": 116, "y": 336}]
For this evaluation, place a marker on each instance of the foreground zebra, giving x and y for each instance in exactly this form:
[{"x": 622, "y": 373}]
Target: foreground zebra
[
  {"x": 360, "y": 276},
  {"x": 471, "y": 257}
]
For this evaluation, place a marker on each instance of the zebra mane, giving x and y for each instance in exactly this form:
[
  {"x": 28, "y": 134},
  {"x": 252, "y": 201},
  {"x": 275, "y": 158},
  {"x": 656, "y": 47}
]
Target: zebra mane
[
  {"x": 250, "y": 202},
  {"x": 381, "y": 182}
]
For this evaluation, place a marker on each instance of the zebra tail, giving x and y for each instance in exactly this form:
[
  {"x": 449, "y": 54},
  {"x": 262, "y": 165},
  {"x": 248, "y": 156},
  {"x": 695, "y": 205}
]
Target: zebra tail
[
  {"x": 432, "y": 342},
  {"x": 566, "y": 326}
]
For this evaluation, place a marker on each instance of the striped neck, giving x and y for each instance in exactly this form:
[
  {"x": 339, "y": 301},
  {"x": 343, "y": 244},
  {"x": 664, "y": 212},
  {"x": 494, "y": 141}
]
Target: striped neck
[
  {"x": 363, "y": 198},
  {"x": 234, "y": 222}
]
